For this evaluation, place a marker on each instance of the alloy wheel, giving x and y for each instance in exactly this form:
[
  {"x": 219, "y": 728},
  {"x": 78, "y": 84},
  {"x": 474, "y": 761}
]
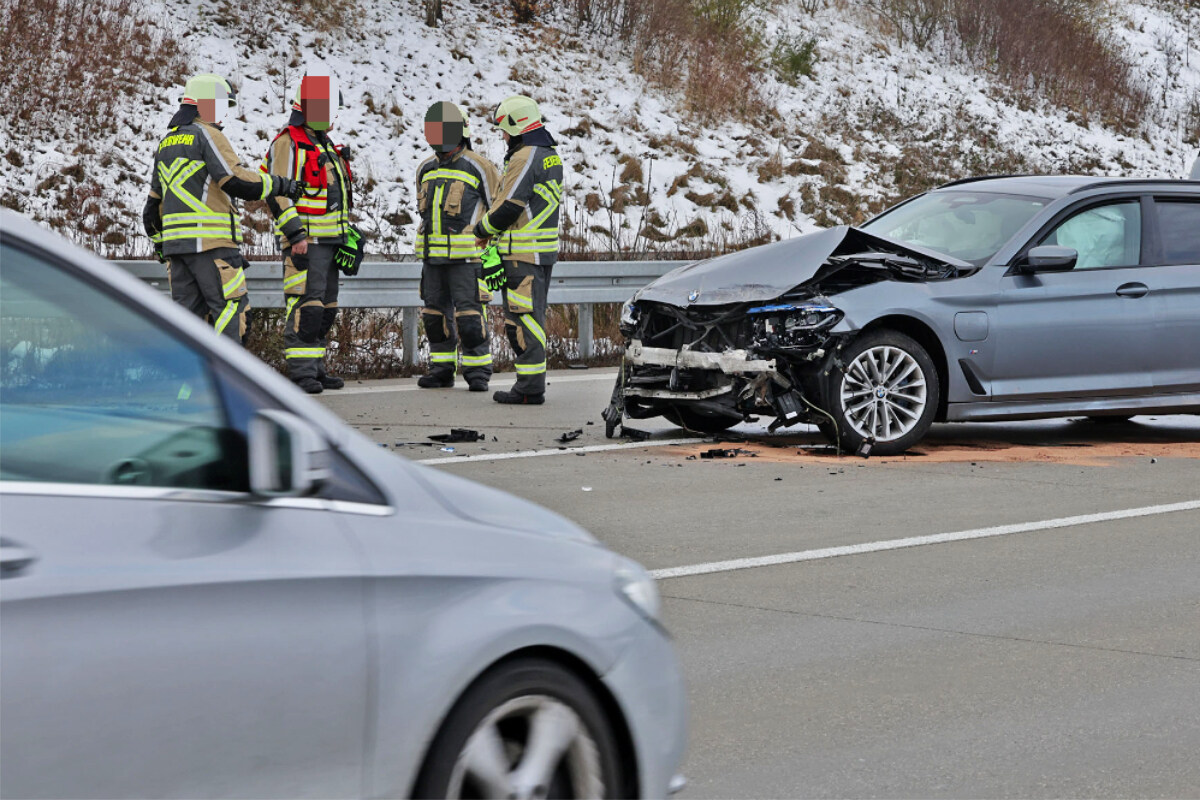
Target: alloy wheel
[
  {"x": 529, "y": 748},
  {"x": 883, "y": 393}
]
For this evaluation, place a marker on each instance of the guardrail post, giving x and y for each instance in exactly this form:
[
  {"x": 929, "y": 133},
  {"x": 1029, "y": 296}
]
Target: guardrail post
[
  {"x": 587, "y": 344},
  {"x": 410, "y": 319}
]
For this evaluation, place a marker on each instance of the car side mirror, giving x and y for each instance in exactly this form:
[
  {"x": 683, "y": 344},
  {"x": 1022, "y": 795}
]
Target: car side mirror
[
  {"x": 1050, "y": 258},
  {"x": 288, "y": 457}
]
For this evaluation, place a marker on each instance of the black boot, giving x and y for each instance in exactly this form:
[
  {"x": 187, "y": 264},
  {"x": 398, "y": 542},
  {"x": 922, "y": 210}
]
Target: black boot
[
  {"x": 435, "y": 381},
  {"x": 331, "y": 381},
  {"x": 477, "y": 384},
  {"x": 515, "y": 398},
  {"x": 310, "y": 385}
]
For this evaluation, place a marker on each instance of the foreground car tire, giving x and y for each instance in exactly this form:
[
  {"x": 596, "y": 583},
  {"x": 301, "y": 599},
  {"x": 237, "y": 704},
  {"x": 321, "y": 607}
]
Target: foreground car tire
[
  {"x": 888, "y": 393},
  {"x": 699, "y": 421},
  {"x": 527, "y": 729}
]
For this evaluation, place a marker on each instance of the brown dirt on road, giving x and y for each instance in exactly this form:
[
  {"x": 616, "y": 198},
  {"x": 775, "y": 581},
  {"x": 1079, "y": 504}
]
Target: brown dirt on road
[{"x": 1075, "y": 442}]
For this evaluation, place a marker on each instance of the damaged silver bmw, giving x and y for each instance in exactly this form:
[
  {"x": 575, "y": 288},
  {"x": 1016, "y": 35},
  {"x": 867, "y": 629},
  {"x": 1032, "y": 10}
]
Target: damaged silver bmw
[{"x": 987, "y": 299}]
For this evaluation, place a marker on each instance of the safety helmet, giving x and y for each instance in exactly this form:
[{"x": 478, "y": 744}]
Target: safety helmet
[
  {"x": 516, "y": 115},
  {"x": 212, "y": 95},
  {"x": 466, "y": 121},
  {"x": 314, "y": 99},
  {"x": 445, "y": 126}
]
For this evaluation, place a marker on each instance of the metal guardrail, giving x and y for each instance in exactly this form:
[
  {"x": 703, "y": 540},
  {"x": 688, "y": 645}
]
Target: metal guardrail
[{"x": 397, "y": 284}]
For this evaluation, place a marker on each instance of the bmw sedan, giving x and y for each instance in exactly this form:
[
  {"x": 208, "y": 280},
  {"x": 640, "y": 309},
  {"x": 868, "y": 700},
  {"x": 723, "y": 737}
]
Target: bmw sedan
[
  {"x": 211, "y": 587},
  {"x": 989, "y": 299}
]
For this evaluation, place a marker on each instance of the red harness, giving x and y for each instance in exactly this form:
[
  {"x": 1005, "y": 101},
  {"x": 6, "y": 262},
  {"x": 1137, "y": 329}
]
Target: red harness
[{"x": 312, "y": 172}]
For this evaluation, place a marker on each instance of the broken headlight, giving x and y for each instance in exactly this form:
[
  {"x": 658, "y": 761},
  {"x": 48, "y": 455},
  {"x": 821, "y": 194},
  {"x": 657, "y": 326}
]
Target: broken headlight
[
  {"x": 629, "y": 317},
  {"x": 791, "y": 326},
  {"x": 636, "y": 587}
]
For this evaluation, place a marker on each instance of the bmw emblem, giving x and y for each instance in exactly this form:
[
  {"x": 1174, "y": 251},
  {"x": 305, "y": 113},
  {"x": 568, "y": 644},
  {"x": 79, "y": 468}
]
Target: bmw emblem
[{"x": 694, "y": 296}]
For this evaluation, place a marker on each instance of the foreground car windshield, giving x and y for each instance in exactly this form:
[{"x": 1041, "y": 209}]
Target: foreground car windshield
[{"x": 967, "y": 225}]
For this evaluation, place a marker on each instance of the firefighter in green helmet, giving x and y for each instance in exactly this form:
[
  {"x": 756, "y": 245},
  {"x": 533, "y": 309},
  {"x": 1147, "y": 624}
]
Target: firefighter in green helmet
[
  {"x": 191, "y": 214},
  {"x": 522, "y": 222},
  {"x": 455, "y": 186}
]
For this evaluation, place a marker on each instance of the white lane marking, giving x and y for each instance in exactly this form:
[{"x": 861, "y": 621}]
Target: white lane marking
[
  {"x": 594, "y": 448},
  {"x": 500, "y": 384},
  {"x": 918, "y": 541}
]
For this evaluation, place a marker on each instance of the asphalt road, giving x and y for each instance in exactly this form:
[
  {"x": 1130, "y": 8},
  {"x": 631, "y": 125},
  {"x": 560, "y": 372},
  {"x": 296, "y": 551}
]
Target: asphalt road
[{"x": 1051, "y": 649}]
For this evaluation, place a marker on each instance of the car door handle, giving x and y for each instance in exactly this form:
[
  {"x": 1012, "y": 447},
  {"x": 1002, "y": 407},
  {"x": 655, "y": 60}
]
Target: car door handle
[
  {"x": 14, "y": 558},
  {"x": 1133, "y": 290}
]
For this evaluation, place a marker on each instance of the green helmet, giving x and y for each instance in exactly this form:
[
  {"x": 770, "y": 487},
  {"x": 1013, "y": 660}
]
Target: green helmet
[
  {"x": 516, "y": 115},
  {"x": 210, "y": 87}
]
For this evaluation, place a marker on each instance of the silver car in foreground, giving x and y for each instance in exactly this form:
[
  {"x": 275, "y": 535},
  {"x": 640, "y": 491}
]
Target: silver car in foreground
[{"x": 213, "y": 587}]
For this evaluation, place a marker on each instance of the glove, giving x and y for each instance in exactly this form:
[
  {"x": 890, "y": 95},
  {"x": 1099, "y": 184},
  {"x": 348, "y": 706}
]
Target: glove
[
  {"x": 345, "y": 152},
  {"x": 289, "y": 188},
  {"x": 158, "y": 253},
  {"x": 348, "y": 257},
  {"x": 493, "y": 269}
]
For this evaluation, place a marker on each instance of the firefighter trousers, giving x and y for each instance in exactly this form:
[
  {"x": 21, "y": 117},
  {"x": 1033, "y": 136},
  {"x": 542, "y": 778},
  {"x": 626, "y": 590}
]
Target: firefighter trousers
[
  {"x": 455, "y": 317},
  {"x": 212, "y": 285},
  {"x": 310, "y": 289},
  {"x": 525, "y": 290}
]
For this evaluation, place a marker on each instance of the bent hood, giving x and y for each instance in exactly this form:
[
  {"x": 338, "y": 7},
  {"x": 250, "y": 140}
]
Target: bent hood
[{"x": 766, "y": 272}]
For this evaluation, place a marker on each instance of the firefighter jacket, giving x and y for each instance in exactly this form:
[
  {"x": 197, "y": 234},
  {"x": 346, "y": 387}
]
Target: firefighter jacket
[
  {"x": 322, "y": 213},
  {"x": 452, "y": 195},
  {"x": 191, "y": 208},
  {"x": 524, "y": 216}
]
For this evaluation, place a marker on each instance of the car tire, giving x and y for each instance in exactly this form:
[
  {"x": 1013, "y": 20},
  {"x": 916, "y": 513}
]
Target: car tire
[
  {"x": 482, "y": 742},
  {"x": 699, "y": 421},
  {"x": 885, "y": 389}
]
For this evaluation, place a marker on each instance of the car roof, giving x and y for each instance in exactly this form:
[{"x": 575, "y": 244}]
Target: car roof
[{"x": 1055, "y": 186}]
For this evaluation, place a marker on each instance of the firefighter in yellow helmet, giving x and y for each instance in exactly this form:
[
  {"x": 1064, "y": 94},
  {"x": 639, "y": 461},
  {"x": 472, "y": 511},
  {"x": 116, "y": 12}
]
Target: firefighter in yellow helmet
[
  {"x": 454, "y": 187},
  {"x": 315, "y": 231},
  {"x": 192, "y": 214},
  {"x": 522, "y": 223}
]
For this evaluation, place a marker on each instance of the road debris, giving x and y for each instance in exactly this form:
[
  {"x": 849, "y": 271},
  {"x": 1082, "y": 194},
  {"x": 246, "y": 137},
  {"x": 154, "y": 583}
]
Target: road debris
[
  {"x": 634, "y": 434},
  {"x": 447, "y": 449},
  {"x": 730, "y": 452},
  {"x": 571, "y": 436},
  {"x": 459, "y": 435}
]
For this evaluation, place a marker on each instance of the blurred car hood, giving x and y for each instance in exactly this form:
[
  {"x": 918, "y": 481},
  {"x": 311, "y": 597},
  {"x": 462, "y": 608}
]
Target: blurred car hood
[
  {"x": 495, "y": 508},
  {"x": 766, "y": 272}
]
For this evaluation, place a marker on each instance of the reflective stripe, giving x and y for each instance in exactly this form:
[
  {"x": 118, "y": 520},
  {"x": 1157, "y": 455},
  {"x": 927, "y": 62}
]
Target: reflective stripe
[
  {"x": 196, "y": 233},
  {"x": 268, "y": 184},
  {"x": 520, "y": 300},
  {"x": 442, "y": 358},
  {"x": 531, "y": 369},
  {"x": 487, "y": 226},
  {"x": 235, "y": 283},
  {"x": 452, "y": 174},
  {"x": 534, "y": 328},
  {"x": 438, "y": 193},
  {"x": 226, "y": 315},
  {"x": 298, "y": 278},
  {"x": 287, "y": 216},
  {"x": 477, "y": 361},
  {"x": 291, "y": 302},
  {"x": 304, "y": 352}
]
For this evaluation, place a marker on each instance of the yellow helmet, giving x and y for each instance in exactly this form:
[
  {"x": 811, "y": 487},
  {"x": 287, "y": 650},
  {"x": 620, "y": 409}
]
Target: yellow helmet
[{"x": 516, "y": 115}]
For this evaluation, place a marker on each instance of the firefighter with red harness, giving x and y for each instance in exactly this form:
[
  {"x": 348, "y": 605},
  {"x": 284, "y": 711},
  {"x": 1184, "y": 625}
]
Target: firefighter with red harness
[{"x": 315, "y": 231}]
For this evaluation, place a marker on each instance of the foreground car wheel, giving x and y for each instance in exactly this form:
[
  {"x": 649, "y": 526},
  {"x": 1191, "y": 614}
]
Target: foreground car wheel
[
  {"x": 887, "y": 394},
  {"x": 699, "y": 421},
  {"x": 528, "y": 729}
]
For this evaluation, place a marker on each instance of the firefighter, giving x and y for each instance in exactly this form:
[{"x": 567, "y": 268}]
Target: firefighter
[
  {"x": 314, "y": 228},
  {"x": 522, "y": 222},
  {"x": 191, "y": 214},
  {"x": 454, "y": 187}
]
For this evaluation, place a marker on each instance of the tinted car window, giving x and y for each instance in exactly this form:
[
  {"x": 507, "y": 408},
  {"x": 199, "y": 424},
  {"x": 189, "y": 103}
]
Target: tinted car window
[
  {"x": 1104, "y": 236},
  {"x": 972, "y": 226},
  {"x": 93, "y": 392},
  {"x": 1179, "y": 226}
]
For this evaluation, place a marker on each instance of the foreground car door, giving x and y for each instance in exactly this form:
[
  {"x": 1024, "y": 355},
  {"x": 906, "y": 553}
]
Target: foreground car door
[
  {"x": 163, "y": 635},
  {"x": 1084, "y": 333}
]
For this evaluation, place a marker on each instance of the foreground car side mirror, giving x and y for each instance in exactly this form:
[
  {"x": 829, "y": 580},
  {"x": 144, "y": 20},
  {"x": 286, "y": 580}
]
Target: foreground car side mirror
[
  {"x": 1049, "y": 258},
  {"x": 288, "y": 457}
]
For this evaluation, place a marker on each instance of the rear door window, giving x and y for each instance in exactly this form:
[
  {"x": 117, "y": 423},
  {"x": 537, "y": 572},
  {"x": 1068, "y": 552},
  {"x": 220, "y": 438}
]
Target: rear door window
[{"x": 1179, "y": 229}]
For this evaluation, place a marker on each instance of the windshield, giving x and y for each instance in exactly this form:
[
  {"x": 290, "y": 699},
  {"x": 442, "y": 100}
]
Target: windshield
[{"x": 972, "y": 226}]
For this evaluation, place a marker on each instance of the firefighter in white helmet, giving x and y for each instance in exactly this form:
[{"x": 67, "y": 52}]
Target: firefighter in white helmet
[
  {"x": 522, "y": 223},
  {"x": 191, "y": 214}
]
